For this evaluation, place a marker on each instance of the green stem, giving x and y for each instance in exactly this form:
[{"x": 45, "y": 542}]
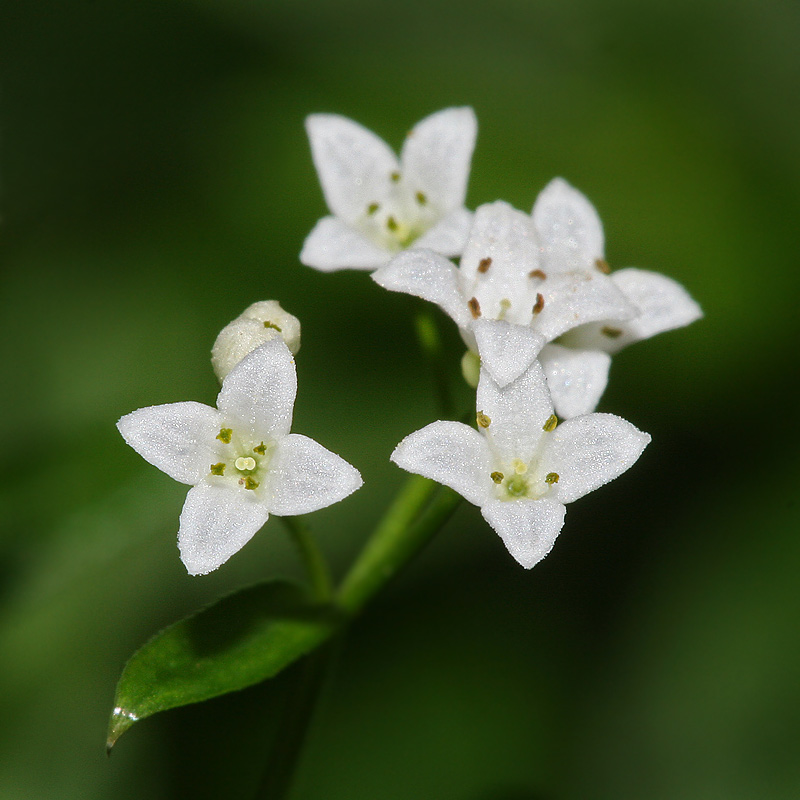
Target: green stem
[
  {"x": 430, "y": 343},
  {"x": 396, "y": 539},
  {"x": 317, "y": 567}
]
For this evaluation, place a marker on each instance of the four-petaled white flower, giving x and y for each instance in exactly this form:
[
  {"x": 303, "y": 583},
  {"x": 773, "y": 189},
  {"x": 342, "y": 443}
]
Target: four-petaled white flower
[
  {"x": 570, "y": 236},
  {"x": 506, "y": 304},
  {"x": 240, "y": 458},
  {"x": 380, "y": 204},
  {"x": 520, "y": 467}
]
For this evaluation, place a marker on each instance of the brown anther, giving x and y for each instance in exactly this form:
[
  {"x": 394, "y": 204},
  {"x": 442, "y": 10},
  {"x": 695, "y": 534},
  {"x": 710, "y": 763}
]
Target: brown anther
[
  {"x": 602, "y": 265},
  {"x": 537, "y": 273},
  {"x": 612, "y": 333},
  {"x": 539, "y": 304},
  {"x": 474, "y": 307},
  {"x": 483, "y": 420},
  {"x": 551, "y": 478},
  {"x": 484, "y": 264},
  {"x": 497, "y": 477}
]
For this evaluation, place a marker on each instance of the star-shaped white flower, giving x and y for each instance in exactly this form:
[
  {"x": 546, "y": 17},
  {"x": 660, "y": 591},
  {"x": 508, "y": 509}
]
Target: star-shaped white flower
[
  {"x": 521, "y": 467},
  {"x": 240, "y": 458},
  {"x": 380, "y": 204},
  {"x": 571, "y": 239},
  {"x": 504, "y": 303}
]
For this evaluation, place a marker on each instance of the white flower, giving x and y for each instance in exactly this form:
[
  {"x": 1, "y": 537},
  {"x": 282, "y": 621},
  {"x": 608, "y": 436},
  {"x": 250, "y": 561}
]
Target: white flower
[
  {"x": 257, "y": 324},
  {"x": 380, "y": 204},
  {"x": 521, "y": 467},
  {"x": 571, "y": 239},
  {"x": 240, "y": 458},
  {"x": 500, "y": 278}
]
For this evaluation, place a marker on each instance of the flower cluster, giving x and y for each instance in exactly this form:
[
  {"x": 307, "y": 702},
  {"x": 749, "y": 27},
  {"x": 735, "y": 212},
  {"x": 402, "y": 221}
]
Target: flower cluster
[
  {"x": 536, "y": 304},
  {"x": 534, "y": 299}
]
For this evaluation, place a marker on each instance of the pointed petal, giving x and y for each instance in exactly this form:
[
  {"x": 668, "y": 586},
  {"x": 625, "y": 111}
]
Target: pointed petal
[
  {"x": 216, "y": 522},
  {"x": 448, "y": 237},
  {"x": 506, "y": 350},
  {"x": 428, "y": 275},
  {"x": 517, "y": 412},
  {"x": 333, "y": 245},
  {"x": 661, "y": 304},
  {"x": 305, "y": 476},
  {"x": 500, "y": 255},
  {"x": 354, "y": 165},
  {"x": 576, "y": 298},
  {"x": 436, "y": 156},
  {"x": 178, "y": 438},
  {"x": 589, "y": 451},
  {"x": 449, "y": 453},
  {"x": 576, "y": 378},
  {"x": 569, "y": 230},
  {"x": 260, "y": 390},
  {"x": 528, "y": 528}
]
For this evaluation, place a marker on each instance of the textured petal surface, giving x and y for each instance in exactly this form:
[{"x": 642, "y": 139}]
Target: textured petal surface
[
  {"x": 576, "y": 378},
  {"x": 506, "y": 350},
  {"x": 495, "y": 268},
  {"x": 436, "y": 156},
  {"x": 569, "y": 230},
  {"x": 333, "y": 244},
  {"x": 449, "y": 453},
  {"x": 216, "y": 522},
  {"x": 517, "y": 412},
  {"x": 428, "y": 275},
  {"x": 577, "y": 298},
  {"x": 260, "y": 391},
  {"x": 528, "y": 528},
  {"x": 661, "y": 304},
  {"x": 354, "y": 165},
  {"x": 589, "y": 451},
  {"x": 304, "y": 477},
  {"x": 448, "y": 237},
  {"x": 178, "y": 438}
]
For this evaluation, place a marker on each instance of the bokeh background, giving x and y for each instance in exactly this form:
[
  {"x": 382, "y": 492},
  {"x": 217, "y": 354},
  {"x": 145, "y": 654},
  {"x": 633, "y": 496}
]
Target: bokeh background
[{"x": 156, "y": 180}]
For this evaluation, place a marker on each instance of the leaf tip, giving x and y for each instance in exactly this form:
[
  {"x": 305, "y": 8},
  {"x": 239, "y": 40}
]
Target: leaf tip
[{"x": 120, "y": 721}]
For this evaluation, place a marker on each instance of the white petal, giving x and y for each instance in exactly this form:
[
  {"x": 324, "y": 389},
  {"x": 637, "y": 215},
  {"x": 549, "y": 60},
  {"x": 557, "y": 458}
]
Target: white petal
[
  {"x": 216, "y": 522},
  {"x": 576, "y": 378},
  {"x": 661, "y": 304},
  {"x": 436, "y": 156},
  {"x": 506, "y": 350},
  {"x": 354, "y": 165},
  {"x": 500, "y": 254},
  {"x": 178, "y": 438},
  {"x": 569, "y": 230},
  {"x": 333, "y": 245},
  {"x": 452, "y": 454},
  {"x": 517, "y": 412},
  {"x": 576, "y": 298},
  {"x": 589, "y": 451},
  {"x": 428, "y": 275},
  {"x": 449, "y": 236},
  {"x": 260, "y": 390},
  {"x": 528, "y": 528},
  {"x": 305, "y": 477}
]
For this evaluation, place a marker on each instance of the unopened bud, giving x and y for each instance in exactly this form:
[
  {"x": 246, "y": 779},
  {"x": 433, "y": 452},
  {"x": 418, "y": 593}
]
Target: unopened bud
[
  {"x": 259, "y": 323},
  {"x": 471, "y": 368}
]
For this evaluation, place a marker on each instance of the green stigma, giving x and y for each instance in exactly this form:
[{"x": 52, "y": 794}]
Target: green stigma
[{"x": 517, "y": 486}]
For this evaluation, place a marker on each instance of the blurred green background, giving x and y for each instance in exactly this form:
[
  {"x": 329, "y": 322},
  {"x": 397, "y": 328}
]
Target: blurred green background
[{"x": 156, "y": 180}]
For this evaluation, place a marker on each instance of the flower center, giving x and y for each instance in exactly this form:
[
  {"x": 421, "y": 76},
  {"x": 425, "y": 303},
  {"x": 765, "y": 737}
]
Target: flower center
[{"x": 241, "y": 461}]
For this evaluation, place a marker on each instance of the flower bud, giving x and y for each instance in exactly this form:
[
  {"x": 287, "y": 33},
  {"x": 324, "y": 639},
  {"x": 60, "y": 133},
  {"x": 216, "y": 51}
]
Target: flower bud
[
  {"x": 258, "y": 324},
  {"x": 471, "y": 368}
]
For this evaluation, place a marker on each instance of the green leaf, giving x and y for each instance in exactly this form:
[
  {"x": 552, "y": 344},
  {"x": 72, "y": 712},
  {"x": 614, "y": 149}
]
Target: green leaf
[{"x": 238, "y": 641}]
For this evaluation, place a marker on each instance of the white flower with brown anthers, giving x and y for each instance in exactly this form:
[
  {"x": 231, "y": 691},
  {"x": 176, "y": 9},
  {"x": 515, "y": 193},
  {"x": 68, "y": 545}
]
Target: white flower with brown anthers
[{"x": 381, "y": 204}]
